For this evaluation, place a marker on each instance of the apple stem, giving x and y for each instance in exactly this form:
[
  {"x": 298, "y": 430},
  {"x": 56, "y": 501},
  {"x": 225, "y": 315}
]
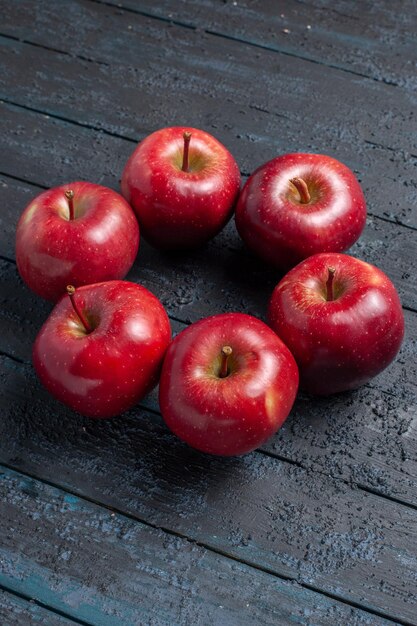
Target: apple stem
[
  {"x": 69, "y": 194},
  {"x": 187, "y": 137},
  {"x": 78, "y": 312},
  {"x": 224, "y": 369},
  {"x": 329, "y": 284},
  {"x": 301, "y": 187}
]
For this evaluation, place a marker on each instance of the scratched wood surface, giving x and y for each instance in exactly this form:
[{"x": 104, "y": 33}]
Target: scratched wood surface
[{"x": 118, "y": 522}]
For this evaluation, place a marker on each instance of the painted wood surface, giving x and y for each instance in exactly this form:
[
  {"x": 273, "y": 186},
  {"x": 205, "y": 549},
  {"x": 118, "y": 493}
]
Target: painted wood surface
[
  {"x": 106, "y": 569},
  {"x": 330, "y": 503},
  {"x": 257, "y": 509},
  {"x": 375, "y": 40},
  {"x": 17, "y": 611}
]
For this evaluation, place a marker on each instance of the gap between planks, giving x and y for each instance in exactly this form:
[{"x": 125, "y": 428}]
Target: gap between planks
[
  {"x": 51, "y": 609},
  {"x": 52, "y": 49}
]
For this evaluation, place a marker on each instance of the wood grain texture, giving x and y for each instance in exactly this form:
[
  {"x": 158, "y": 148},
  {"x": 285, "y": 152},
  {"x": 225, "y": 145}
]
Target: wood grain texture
[
  {"x": 299, "y": 108},
  {"x": 108, "y": 569},
  {"x": 371, "y": 39},
  {"x": 15, "y": 611},
  {"x": 265, "y": 512}
]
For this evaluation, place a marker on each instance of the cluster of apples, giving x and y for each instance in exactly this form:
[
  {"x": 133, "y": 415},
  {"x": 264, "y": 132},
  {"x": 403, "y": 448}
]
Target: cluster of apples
[{"x": 227, "y": 382}]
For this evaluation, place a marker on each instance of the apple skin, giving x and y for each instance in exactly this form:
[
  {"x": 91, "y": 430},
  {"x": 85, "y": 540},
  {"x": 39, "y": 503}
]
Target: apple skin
[
  {"x": 52, "y": 251},
  {"x": 107, "y": 371},
  {"x": 176, "y": 209},
  {"x": 236, "y": 414},
  {"x": 280, "y": 229},
  {"x": 343, "y": 343}
]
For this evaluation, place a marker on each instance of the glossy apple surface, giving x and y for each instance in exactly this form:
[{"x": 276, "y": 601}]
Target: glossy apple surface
[
  {"x": 103, "y": 372},
  {"x": 233, "y": 411},
  {"x": 343, "y": 337},
  {"x": 298, "y": 205},
  {"x": 93, "y": 236},
  {"x": 176, "y": 208}
]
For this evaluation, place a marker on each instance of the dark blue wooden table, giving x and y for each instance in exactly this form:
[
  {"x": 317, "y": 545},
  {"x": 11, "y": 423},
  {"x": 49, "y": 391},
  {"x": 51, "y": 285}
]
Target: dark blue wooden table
[{"x": 117, "y": 522}]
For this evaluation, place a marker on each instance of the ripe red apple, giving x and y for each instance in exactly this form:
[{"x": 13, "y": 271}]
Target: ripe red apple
[
  {"x": 101, "y": 348},
  {"x": 298, "y": 205},
  {"x": 76, "y": 234},
  {"x": 341, "y": 318},
  {"x": 227, "y": 384},
  {"x": 183, "y": 185}
]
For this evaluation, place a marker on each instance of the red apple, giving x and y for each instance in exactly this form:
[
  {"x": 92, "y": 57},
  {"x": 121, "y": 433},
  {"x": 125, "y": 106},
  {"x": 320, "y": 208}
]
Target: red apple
[
  {"x": 298, "y": 205},
  {"x": 227, "y": 384},
  {"x": 183, "y": 185},
  {"x": 341, "y": 318},
  {"x": 101, "y": 348},
  {"x": 77, "y": 234}
]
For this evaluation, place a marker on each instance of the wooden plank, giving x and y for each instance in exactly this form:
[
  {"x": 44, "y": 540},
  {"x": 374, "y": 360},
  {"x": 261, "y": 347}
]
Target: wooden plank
[
  {"x": 290, "y": 521},
  {"x": 340, "y": 35},
  {"x": 15, "y": 196},
  {"x": 83, "y": 154},
  {"x": 15, "y": 611},
  {"x": 300, "y": 107},
  {"x": 373, "y": 39},
  {"x": 105, "y": 568},
  {"x": 366, "y": 438}
]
